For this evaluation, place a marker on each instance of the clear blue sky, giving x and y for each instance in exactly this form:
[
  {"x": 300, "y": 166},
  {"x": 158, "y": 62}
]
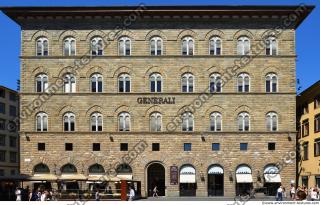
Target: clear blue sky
[{"x": 308, "y": 43}]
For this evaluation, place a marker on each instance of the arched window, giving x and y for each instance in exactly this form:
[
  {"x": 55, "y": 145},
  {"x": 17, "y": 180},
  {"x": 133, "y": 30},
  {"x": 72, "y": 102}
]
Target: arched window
[
  {"x": 69, "y": 122},
  {"x": 187, "y": 46},
  {"x": 271, "y": 46},
  {"x": 155, "y": 122},
  {"x": 244, "y": 121},
  {"x": 272, "y": 121},
  {"x": 124, "y": 83},
  {"x": 215, "y": 46},
  {"x": 243, "y": 46},
  {"x": 96, "y": 169},
  {"x": 243, "y": 82},
  {"x": 215, "y": 83},
  {"x": 69, "y": 46},
  {"x": 124, "y": 46},
  {"x": 156, "y": 46},
  {"x": 155, "y": 83},
  {"x": 124, "y": 121},
  {"x": 42, "y": 83},
  {"x": 187, "y": 121},
  {"x": 96, "y": 122},
  {"x": 42, "y": 46},
  {"x": 124, "y": 169},
  {"x": 68, "y": 169},
  {"x": 187, "y": 83},
  {"x": 215, "y": 122},
  {"x": 271, "y": 83},
  {"x": 41, "y": 169},
  {"x": 42, "y": 122},
  {"x": 97, "y": 46},
  {"x": 69, "y": 83},
  {"x": 96, "y": 83}
]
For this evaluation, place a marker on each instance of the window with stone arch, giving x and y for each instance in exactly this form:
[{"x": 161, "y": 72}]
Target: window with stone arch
[
  {"x": 155, "y": 122},
  {"x": 187, "y": 46},
  {"x": 97, "y": 46},
  {"x": 69, "y": 83},
  {"x": 69, "y": 122},
  {"x": 124, "y": 46},
  {"x": 272, "y": 121},
  {"x": 215, "y": 46},
  {"x": 187, "y": 122},
  {"x": 69, "y": 46},
  {"x": 96, "y": 122},
  {"x": 155, "y": 83},
  {"x": 271, "y": 83},
  {"x": 243, "y": 82},
  {"x": 41, "y": 83},
  {"x": 124, "y": 83},
  {"x": 271, "y": 46},
  {"x": 96, "y": 83},
  {"x": 156, "y": 46},
  {"x": 215, "y": 83},
  {"x": 187, "y": 83},
  {"x": 42, "y": 122},
  {"x": 243, "y": 121},
  {"x": 215, "y": 122},
  {"x": 124, "y": 122},
  {"x": 42, "y": 46},
  {"x": 243, "y": 45}
]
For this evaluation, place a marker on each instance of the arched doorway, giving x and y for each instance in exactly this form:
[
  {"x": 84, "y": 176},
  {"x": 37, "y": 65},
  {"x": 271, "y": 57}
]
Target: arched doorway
[
  {"x": 215, "y": 180},
  {"x": 272, "y": 179},
  {"x": 244, "y": 180},
  {"x": 156, "y": 177},
  {"x": 187, "y": 179}
]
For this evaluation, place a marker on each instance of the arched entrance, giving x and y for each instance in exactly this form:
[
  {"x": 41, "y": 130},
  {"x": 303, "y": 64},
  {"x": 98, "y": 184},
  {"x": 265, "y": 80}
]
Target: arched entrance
[
  {"x": 187, "y": 179},
  {"x": 272, "y": 179},
  {"x": 244, "y": 180},
  {"x": 156, "y": 177},
  {"x": 215, "y": 180}
]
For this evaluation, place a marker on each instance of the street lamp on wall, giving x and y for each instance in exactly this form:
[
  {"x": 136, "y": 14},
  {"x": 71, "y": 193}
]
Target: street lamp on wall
[
  {"x": 258, "y": 176},
  {"x": 230, "y": 176}
]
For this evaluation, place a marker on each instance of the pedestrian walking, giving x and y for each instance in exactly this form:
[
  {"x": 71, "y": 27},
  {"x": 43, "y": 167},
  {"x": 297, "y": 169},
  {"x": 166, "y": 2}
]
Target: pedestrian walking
[
  {"x": 43, "y": 196},
  {"x": 155, "y": 192},
  {"x": 292, "y": 192},
  {"x": 97, "y": 195},
  {"x": 279, "y": 196},
  {"x": 18, "y": 194},
  {"x": 131, "y": 194},
  {"x": 284, "y": 193},
  {"x": 314, "y": 194}
]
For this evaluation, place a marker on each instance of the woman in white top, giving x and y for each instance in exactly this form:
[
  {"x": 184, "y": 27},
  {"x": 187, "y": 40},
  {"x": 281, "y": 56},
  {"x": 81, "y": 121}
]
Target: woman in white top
[{"x": 18, "y": 194}]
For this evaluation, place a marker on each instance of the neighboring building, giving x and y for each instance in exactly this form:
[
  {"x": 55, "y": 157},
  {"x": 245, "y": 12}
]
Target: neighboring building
[
  {"x": 9, "y": 138},
  {"x": 308, "y": 121},
  {"x": 9, "y": 143},
  {"x": 120, "y": 106}
]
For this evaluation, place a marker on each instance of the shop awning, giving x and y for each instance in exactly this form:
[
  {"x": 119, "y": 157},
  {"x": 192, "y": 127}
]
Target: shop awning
[
  {"x": 244, "y": 178},
  {"x": 272, "y": 178},
  {"x": 43, "y": 177},
  {"x": 215, "y": 170},
  {"x": 72, "y": 177},
  {"x": 97, "y": 178},
  {"x": 187, "y": 178},
  {"x": 187, "y": 174},
  {"x": 125, "y": 176}
]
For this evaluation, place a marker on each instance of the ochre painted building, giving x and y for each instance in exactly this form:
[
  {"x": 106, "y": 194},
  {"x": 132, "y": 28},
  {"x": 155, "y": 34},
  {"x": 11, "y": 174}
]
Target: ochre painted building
[
  {"x": 196, "y": 100},
  {"x": 308, "y": 120}
]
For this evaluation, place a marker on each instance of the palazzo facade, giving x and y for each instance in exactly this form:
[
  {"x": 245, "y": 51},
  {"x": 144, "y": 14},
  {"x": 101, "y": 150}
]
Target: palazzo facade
[{"x": 196, "y": 100}]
